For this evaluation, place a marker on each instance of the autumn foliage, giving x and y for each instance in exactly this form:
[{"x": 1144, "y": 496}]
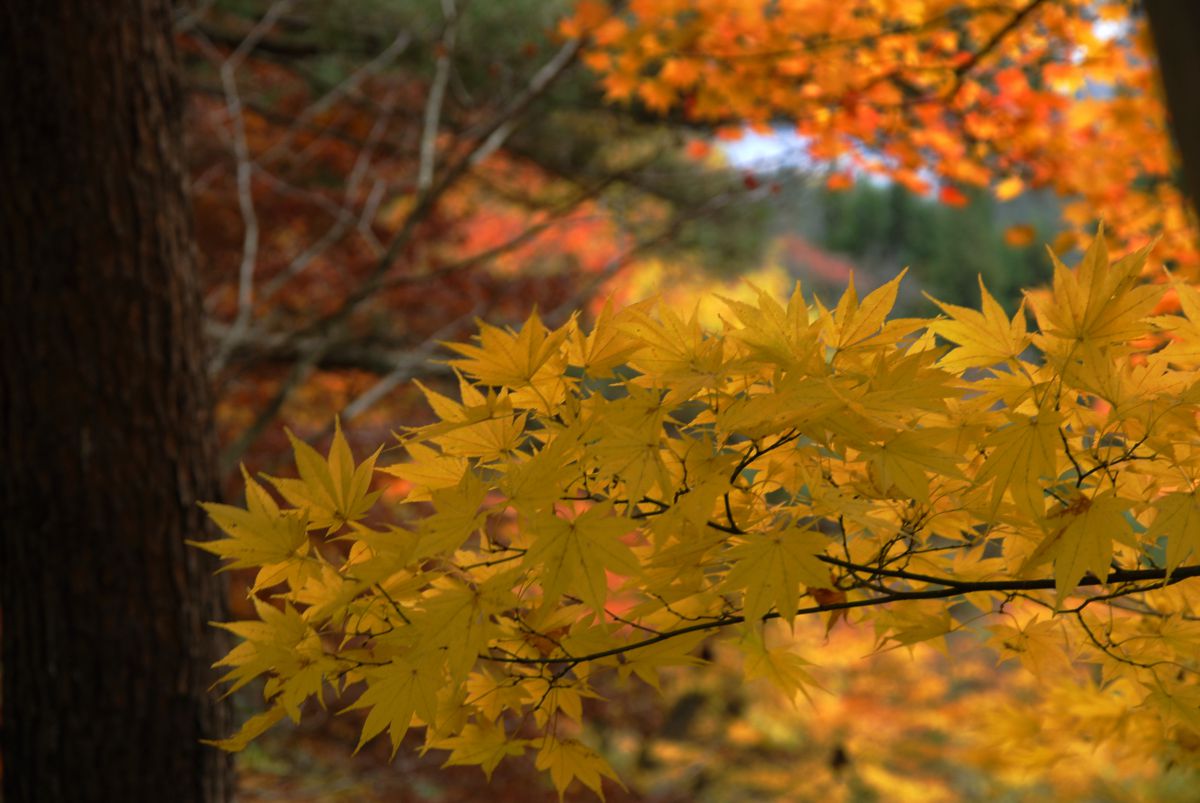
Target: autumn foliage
[
  {"x": 935, "y": 94},
  {"x": 599, "y": 502}
]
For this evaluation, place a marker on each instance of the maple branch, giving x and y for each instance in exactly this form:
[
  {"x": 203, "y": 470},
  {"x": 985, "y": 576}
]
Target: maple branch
[
  {"x": 260, "y": 343},
  {"x": 1071, "y": 456},
  {"x": 819, "y": 42},
  {"x": 373, "y": 354},
  {"x": 298, "y": 373},
  {"x": 318, "y": 333},
  {"x": 186, "y": 18},
  {"x": 530, "y": 232},
  {"x": 1125, "y": 457},
  {"x": 993, "y": 42},
  {"x": 394, "y": 367},
  {"x": 1109, "y": 648},
  {"x": 958, "y": 588}
]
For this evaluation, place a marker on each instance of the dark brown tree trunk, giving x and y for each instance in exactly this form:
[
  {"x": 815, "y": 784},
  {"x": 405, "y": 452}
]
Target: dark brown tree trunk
[
  {"x": 1175, "y": 25},
  {"x": 105, "y": 424}
]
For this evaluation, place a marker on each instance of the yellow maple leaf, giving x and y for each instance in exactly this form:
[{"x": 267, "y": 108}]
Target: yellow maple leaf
[
  {"x": 530, "y": 359},
  {"x": 427, "y": 470},
  {"x": 569, "y": 759},
  {"x": 457, "y": 517},
  {"x": 606, "y": 346},
  {"x": 786, "y": 337},
  {"x": 854, "y": 324},
  {"x": 483, "y": 744},
  {"x": 985, "y": 338},
  {"x": 645, "y": 662},
  {"x": 254, "y": 727},
  {"x": 1037, "y": 644},
  {"x": 1096, "y": 305},
  {"x": 1081, "y": 540},
  {"x": 396, "y": 693},
  {"x": 280, "y": 644},
  {"x": 783, "y": 667},
  {"x": 532, "y": 484},
  {"x": 1023, "y": 452},
  {"x": 904, "y": 459},
  {"x": 260, "y": 535},
  {"x": 679, "y": 354},
  {"x": 490, "y": 440},
  {"x": 773, "y": 567},
  {"x": 1177, "y": 519},
  {"x": 332, "y": 489},
  {"x": 457, "y": 618},
  {"x": 1184, "y": 348},
  {"x": 914, "y": 623},
  {"x": 576, "y": 553}
]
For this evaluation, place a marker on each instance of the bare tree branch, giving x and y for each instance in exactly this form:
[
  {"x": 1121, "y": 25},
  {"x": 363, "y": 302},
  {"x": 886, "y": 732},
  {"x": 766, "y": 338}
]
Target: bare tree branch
[
  {"x": 241, "y": 151},
  {"x": 541, "y": 80},
  {"x": 406, "y": 368},
  {"x": 380, "y": 62},
  {"x": 437, "y": 95},
  {"x": 344, "y": 220}
]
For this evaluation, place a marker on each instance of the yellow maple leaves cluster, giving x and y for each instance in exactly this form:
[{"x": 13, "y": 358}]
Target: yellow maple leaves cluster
[{"x": 598, "y": 501}]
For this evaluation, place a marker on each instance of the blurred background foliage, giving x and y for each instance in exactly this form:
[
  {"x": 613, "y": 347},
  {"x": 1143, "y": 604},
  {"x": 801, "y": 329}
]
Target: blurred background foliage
[{"x": 369, "y": 176}]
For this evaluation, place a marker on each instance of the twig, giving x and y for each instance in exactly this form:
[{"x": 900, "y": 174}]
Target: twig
[
  {"x": 404, "y": 369},
  {"x": 542, "y": 79},
  {"x": 389, "y": 54},
  {"x": 343, "y": 220},
  {"x": 244, "y": 175},
  {"x": 437, "y": 95}
]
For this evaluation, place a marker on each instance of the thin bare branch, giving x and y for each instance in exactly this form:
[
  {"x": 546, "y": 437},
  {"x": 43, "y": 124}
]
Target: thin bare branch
[
  {"x": 428, "y": 200},
  {"x": 437, "y": 95},
  {"x": 541, "y": 80},
  {"x": 344, "y": 220},
  {"x": 244, "y": 175},
  {"x": 296, "y": 376},
  {"x": 406, "y": 368},
  {"x": 349, "y": 84}
]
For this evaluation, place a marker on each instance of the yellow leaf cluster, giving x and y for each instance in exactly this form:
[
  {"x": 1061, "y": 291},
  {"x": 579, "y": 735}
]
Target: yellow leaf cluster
[{"x": 603, "y": 500}]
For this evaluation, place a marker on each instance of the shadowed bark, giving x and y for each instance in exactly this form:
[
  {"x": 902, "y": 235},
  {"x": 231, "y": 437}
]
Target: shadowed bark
[
  {"x": 1175, "y": 25},
  {"x": 104, "y": 417}
]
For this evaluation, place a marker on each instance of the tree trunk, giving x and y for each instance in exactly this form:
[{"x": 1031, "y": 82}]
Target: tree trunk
[
  {"x": 1175, "y": 26},
  {"x": 105, "y": 417}
]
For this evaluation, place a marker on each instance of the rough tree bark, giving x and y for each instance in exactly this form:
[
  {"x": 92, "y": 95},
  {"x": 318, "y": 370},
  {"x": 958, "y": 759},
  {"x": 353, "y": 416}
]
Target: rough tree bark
[
  {"x": 104, "y": 417},
  {"x": 1175, "y": 26}
]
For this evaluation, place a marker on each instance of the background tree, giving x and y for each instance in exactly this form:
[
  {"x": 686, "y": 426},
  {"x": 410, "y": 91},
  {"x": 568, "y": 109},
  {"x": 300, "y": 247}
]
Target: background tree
[
  {"x": 107, "y": 426},
  {"x": 357, "y": 166},
  {"x": 1056, "y": 94},
  {"x": 1175, "y": 25},
  {"x": 369, "y": 177}
]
